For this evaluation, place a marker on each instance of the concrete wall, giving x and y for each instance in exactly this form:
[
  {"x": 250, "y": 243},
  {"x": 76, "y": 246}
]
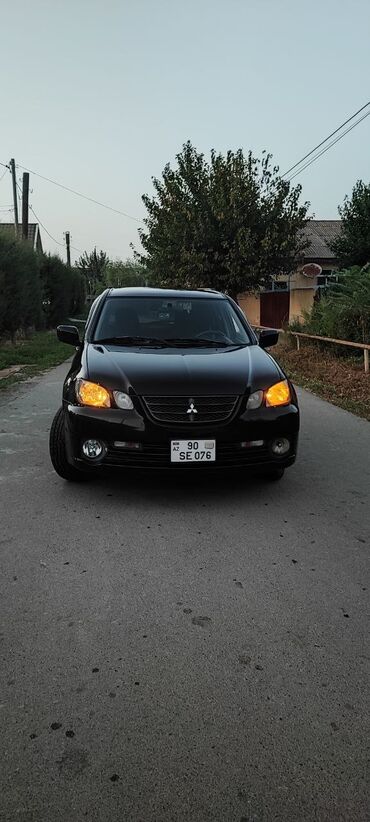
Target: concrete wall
[
  {"x": 302, "y": 294},
  {"x": 250, "y": 304},
  {"x": 301, "y": 299}
]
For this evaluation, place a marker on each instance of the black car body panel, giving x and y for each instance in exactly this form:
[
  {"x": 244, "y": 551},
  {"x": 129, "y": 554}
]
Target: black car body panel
[
  {"x": 162, "y": 381},
  {"x": 180, "y": 372},
  {"x": 112, "y": 425}
]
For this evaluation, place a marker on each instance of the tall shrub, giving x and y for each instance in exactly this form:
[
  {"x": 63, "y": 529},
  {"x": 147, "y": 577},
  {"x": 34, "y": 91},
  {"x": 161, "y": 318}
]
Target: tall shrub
[
  {"x": 20, "y": 286},
  {"x": 64, "y": 289},
  {"x": 78, "y": 292},
  {"x": 344, "y": 311}
]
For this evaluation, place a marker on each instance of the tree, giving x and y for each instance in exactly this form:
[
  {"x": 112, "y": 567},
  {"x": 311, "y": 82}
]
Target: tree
[
  {"x": 352, "y": 247},
  {"x": 231, "y": 224},
  {"x": 79, "y": 291},
  {"x": 35, "y": 288},
  {"x": 121, "y": 273},
  {"x": 93, "y": 266},
  {"x": 343, "y": 312},
  {"x": 57, "y": 289},
  {"x": 64, "y": 292},
  {"x": 20, "y": 287}
]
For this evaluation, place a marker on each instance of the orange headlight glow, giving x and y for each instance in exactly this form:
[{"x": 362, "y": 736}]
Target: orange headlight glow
[
  {"x": 278, "y": 394},
  {"x": 90, "y": 393}
]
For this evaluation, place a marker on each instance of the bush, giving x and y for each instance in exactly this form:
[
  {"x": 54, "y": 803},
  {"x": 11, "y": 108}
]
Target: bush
[
  {"x": 35, "y": 289},
  {"x": 64, "y": 290},
  {"x": 343, "y": 312},
  {"x": 79, "y": 292},
  {"x": 125, "y": 273},
  {"x": 20, "y": 287}
]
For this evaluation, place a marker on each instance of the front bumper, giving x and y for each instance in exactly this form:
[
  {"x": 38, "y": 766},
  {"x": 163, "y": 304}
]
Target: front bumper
[{"x": 112, "y": 425}]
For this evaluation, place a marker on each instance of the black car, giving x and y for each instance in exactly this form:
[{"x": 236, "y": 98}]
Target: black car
[{"x": 172, "y": 379}]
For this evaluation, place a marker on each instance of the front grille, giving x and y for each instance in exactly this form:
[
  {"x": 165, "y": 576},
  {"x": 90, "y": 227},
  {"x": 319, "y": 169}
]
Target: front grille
[
  {"x": 184, "y": 410},
  {"x": 154, "y": 455}
]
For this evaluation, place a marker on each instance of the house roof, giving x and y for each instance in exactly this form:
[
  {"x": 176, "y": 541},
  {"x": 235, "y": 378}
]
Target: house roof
[
  {"x": 320, "y": 234},
  {"x": 33, "y": 231}
]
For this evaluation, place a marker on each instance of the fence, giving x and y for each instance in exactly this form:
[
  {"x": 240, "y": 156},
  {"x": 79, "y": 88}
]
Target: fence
[
  {"x": 299, "y": 334},
  {"x": 365, "y": 346}
]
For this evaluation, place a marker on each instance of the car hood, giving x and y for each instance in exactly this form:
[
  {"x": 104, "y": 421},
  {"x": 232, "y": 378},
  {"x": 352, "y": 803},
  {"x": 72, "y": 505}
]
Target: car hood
[{"x": 179, "y": 372}]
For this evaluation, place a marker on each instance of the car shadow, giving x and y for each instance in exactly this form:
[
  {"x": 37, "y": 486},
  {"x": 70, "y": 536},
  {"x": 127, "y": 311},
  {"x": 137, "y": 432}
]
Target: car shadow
[{"x": 187, "y": 492}]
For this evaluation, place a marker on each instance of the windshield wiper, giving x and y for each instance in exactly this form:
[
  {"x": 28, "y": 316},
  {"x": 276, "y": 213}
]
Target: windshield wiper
[
  {"x": 170, "y": 342},
  {"x": 188, "y": 342},
  {"x": 152, "y": 341}
]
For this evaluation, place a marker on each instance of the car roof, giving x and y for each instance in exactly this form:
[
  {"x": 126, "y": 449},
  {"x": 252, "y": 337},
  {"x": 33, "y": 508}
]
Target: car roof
[{"x": 170, "y": 293}]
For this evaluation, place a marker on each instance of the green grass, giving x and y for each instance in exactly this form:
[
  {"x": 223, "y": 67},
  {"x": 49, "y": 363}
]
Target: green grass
[{"x": 42, "y": 351}]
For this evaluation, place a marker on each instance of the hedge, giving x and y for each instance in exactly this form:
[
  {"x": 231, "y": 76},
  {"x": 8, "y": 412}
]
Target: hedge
[{"x": 36, "y": 290}]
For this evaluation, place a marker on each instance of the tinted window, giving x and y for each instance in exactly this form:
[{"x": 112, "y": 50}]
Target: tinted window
[{"x": 161, "y": 318}]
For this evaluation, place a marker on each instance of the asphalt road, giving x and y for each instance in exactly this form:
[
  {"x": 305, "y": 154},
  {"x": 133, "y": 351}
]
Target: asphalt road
[{"x": 183, "y": 650}]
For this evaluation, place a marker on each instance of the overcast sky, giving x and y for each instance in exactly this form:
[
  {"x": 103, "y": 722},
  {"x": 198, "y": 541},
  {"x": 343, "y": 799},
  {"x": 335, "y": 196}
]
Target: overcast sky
[{"x": 100, "y": 95}]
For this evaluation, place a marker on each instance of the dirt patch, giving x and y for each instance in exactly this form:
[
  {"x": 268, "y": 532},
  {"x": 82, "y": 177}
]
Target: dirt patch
[
  {"x": 8, "y": 372},
  {"x": 340, "y": 380}
]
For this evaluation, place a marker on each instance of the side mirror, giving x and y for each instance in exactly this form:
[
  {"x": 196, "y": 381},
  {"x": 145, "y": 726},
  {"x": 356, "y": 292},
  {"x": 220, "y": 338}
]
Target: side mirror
[
  {"x": 268, "y": 338},
  {"x": 68, "y": 334}
]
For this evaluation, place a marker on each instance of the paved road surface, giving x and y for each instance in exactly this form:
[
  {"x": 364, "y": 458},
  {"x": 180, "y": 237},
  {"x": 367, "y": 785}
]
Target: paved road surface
[{"x": 180, "y": 650}]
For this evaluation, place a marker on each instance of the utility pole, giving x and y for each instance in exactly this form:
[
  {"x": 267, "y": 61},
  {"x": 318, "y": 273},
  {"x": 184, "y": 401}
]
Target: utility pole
[
  {"x": 15, "y": 201},
  {"x": 68, "y": 240},
  {"x": 25, "y": 193}
]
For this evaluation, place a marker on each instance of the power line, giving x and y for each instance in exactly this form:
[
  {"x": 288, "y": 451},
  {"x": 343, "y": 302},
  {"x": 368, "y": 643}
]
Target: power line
[
  {"x": 78, "y": 194},
  {"x": 80, "y": 251},
  {"x": 19, "y": 193},
  {"x": 136, "y": 219},
  {"x": 326, "y": 140},
  {"x": 50, "y": 235},
  {"x": 324, "y": 150},
  {"x": 45, "y": 229},
  {"x": 317, "y": 156}
]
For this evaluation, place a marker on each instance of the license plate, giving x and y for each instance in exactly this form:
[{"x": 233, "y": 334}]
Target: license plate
[{"x": 193, "y": 451}]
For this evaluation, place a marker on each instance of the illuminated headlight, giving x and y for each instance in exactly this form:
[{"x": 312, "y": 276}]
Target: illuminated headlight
[
  {"x": 278, "y": 394},
  {"x": 255, "y": 400},
  {"x": 93, "y": 394},
  {"x": 123, "y": 400}
]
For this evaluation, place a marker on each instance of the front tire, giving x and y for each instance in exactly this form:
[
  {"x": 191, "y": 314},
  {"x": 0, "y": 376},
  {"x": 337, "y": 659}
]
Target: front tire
[{"x": 58, "y": 453}]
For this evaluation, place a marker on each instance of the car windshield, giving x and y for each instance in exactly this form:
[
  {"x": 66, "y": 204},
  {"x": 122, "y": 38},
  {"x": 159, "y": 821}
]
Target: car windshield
[{"x": 199, "y": 321}]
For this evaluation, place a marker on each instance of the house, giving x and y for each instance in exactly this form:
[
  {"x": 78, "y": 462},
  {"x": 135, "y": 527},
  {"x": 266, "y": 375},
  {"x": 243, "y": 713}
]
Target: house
[
  {"x": 34, "y": 236},
  {"x": 287, "y": 298}
]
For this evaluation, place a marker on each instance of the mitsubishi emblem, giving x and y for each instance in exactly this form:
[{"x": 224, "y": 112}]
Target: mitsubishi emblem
[{"x": 192, "y": 409}]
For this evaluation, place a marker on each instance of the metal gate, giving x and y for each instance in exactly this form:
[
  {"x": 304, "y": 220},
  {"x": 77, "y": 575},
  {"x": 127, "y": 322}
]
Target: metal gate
[{"x": 274, "y": 308}]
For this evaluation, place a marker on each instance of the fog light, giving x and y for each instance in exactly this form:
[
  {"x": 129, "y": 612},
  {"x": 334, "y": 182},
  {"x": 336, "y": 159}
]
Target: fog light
[
  {"x": 280, "y": 446},
  {"x": 92, "y": 449}
]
